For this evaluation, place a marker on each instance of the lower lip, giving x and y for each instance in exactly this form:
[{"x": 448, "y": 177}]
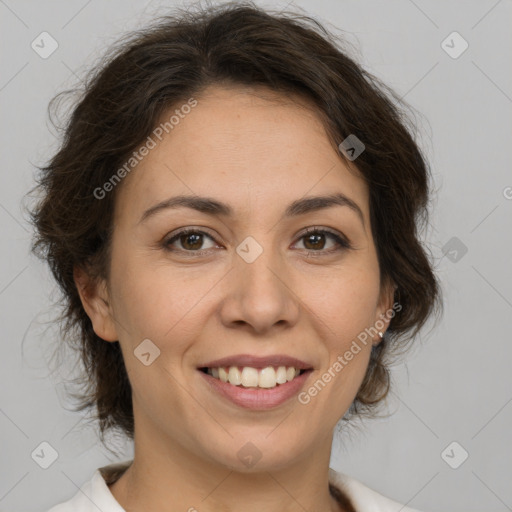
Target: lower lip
[{"x": 257, "y": 398}]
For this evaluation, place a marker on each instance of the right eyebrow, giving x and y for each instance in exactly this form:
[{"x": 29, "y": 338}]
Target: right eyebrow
[{"x": 211, "y": 206}]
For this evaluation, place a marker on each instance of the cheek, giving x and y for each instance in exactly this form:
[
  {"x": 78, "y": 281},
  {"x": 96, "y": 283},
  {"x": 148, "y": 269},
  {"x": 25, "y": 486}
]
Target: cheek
[
  {"x": 346, "y": 309},
  {"x": 153, "y": 304},
  {"x": 167, "y": 306},
  {"x": 346, "y": 302},
  {"x": 150, "y": 299},
  {"x": 345, "y": 306}
]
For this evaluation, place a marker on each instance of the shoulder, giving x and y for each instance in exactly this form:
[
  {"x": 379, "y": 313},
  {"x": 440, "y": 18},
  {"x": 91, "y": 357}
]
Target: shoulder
[
  {"x": 94, "y": 494},
  {"x": 364, "y": 498}
]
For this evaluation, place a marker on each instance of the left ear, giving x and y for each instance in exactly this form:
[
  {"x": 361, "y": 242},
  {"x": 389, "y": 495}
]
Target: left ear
[{"x": 384, "y": 308}]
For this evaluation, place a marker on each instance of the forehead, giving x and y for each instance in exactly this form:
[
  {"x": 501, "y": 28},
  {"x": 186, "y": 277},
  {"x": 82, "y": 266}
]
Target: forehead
[{"x": 241, "y": 145}]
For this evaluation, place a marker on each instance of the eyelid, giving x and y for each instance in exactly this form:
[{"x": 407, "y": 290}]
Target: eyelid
[
  {"x": 339, "y": 237},
  {"x": 342, "y": 241},
  {"x": 189, "y": 229},
  {"x": 322, "y": 229},
  {"x": 174, "y": 235}
]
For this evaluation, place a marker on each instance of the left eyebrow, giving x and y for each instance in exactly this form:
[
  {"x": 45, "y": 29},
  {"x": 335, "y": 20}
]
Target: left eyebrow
[
  {"x": 316, "y": 203},
  {"x": 213, "y": 207}
]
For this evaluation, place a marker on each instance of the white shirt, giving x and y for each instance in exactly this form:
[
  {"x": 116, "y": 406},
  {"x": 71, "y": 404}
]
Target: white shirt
[{"x": 95, "y": 495}]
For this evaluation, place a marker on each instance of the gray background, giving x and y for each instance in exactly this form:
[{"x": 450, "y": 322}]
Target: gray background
[{"x": 455, "y": 385}]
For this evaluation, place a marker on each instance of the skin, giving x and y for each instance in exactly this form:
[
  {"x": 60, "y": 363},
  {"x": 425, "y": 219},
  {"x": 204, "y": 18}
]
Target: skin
[{"x": 257, "y": 152}]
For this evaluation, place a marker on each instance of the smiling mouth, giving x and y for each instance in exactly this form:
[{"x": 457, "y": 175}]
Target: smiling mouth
[{"x": 249, "y": 377}]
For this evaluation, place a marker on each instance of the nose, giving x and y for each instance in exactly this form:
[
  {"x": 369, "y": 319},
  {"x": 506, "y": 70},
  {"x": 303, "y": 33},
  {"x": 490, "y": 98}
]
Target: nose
[{"x": 260, "y": 296}]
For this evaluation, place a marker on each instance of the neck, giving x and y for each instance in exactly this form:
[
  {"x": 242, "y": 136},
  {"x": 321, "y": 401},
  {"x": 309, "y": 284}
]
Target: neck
[{"x": 176, "y": 479}]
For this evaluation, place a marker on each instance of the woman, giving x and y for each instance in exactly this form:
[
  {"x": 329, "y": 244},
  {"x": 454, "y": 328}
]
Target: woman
[{"x": 232, "y": 218}]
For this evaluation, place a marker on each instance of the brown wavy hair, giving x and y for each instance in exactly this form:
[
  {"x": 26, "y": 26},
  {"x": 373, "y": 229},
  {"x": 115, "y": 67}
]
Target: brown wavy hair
[{"x": 161, "y": 66}]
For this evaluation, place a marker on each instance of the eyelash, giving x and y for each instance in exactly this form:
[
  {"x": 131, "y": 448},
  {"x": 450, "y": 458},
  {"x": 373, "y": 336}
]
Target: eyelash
[{"x": 343, "y": 243}]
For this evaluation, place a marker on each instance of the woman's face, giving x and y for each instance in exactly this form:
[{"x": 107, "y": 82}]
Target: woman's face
[{"x": 249, "y": 283}]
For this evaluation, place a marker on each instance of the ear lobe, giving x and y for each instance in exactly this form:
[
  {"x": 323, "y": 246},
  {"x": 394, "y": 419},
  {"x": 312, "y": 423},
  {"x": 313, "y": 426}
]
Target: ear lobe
[
  {"x": 96, "y": 303},
  {"x": 385, "y": 305}
]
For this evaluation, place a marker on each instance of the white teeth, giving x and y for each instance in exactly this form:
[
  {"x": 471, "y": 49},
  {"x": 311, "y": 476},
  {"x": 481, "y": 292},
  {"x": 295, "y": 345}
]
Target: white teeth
[
  {"x": 281, "y": 375},
  {"x": 249, "y": 377},
  {"x": 290, "y": 373},
  {"x": 223, "y": 375},
  {"x": 267, "y": 378},
  {"x": 235, "y": 376}
]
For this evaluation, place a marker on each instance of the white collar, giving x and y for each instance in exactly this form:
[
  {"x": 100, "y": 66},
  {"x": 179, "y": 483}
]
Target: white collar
[
  {"x": 95, "y": 494},
  {"x": 364, "y": 498}
]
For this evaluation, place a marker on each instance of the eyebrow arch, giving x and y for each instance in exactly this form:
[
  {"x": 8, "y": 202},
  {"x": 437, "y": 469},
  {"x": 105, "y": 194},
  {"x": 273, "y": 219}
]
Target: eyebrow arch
[{"x": 211, "y": 206}]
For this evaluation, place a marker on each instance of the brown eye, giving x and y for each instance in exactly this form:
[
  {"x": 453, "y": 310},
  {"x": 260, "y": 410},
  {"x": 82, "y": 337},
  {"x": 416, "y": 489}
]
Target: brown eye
[
  {"x": 315, "y": 240},
  {"x": 190, "y": 240}
]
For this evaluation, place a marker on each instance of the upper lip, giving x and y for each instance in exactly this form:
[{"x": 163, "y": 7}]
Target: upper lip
[{"x": 257, "y": 361}]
